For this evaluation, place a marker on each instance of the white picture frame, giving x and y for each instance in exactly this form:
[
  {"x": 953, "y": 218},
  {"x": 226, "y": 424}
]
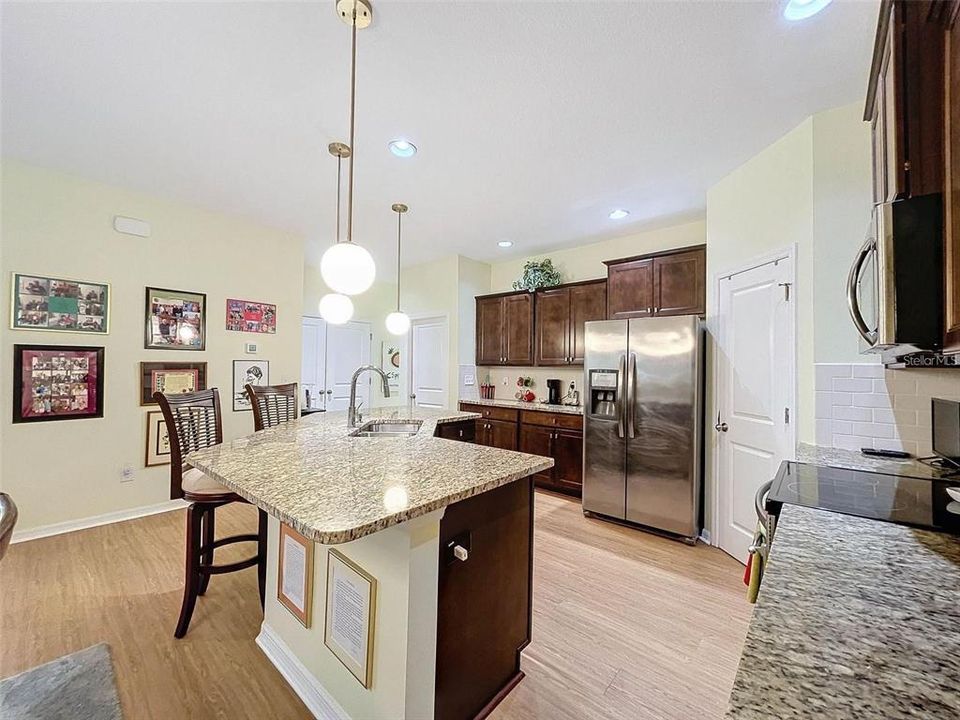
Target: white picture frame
[{"x": 255, "y": 372}]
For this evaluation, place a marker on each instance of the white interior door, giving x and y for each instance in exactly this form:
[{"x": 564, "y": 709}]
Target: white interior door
[
  {"x": 429, "y": 371},
  {"x": 755, "y": 399},
  {"x": 348, "y": 347},
  {"x": 313, "y": 365}
]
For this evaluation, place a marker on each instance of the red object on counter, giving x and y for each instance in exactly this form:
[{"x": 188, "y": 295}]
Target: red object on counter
[{"x": 746, "y": 572}]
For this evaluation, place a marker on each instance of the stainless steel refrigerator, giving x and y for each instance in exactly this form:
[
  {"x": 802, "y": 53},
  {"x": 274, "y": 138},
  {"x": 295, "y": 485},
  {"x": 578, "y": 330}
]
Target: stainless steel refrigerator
[{"x": 643, "y": 422}]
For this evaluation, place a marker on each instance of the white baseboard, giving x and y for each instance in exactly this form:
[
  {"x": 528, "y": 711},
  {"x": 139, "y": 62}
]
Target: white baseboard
[
  {"x": 304, "y": 684},
  {"x": 89, "y": 522}
]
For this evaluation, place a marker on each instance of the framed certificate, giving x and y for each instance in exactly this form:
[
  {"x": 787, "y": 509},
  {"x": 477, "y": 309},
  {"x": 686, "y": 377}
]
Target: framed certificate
[
  {"x": 351, "y": 610},
  {"x": 158, "y": 441},
  {"x": 295, "y": 578},
  {"x": 170, "y": 378}
]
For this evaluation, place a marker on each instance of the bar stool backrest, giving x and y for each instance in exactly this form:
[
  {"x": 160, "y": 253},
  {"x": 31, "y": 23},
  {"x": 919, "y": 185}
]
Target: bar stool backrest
[{"x": 193, "y": 422}]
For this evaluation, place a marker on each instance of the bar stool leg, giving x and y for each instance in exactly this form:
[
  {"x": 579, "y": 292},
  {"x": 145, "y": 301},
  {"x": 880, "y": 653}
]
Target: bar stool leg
[
  {"x": 262, "y": 556},
  {"x": 209, "y": 535},
  {"x": 191, "y": 584}
]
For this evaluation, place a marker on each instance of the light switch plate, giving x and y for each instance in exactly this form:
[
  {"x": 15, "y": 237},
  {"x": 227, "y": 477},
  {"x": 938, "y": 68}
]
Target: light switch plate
[
  {"x": 251, "y": 348},
  {"x": 469, "y": 380}
]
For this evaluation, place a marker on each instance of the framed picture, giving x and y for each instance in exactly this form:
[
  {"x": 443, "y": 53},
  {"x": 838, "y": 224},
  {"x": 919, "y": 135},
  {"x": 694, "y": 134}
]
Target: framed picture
[
  {"x": 255, "y": 372},
  {"x": 57, "y": 382},
  {"x": 170, "y": 378},
  {"x": 351, "y": 608},
  {"x": 158, "y": 441},
  {"x": 175, "y": 320},
  {"x": 295, "y": 577},
  {"x": 59, "y": 304},
  {"x": 253, "y": 317}
]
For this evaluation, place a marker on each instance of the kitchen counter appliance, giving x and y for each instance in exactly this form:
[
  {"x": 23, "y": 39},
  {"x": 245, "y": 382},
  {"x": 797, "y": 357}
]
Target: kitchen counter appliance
[{"x": 643, "y": 420}]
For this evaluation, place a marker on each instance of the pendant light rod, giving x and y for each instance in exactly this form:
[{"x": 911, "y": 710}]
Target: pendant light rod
[
  {"x": 353, "y": 113},
  {"x": 340, "y": 151},
  {"x": 399, "y": 209}
]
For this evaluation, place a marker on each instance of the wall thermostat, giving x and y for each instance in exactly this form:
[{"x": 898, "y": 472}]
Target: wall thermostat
[{"x": 250, "y": 348}]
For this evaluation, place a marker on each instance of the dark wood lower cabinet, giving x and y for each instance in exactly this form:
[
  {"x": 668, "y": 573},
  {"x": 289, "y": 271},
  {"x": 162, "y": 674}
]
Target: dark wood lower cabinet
[
  {"x": 496, "y": 433},
  {"x": 463, "y": 430},
  {"x": 484, "y": 602},
  {"x": 536, "y": 441},
  {"x": 566, "y": 449}
]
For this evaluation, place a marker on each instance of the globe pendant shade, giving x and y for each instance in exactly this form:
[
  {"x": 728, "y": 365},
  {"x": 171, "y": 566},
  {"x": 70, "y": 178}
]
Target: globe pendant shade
[
  {"x": 398, "y": 323},
  {"x": 347, "y": 268},
  {"x": 336, "y": 309}
]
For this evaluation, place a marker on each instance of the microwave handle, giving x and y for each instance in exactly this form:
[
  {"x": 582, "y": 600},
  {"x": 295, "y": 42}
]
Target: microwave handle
[{"x": 853, "y": 300}]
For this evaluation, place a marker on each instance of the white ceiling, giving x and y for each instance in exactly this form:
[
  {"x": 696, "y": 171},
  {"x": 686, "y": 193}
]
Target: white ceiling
[{"x": 533, "y": 119}]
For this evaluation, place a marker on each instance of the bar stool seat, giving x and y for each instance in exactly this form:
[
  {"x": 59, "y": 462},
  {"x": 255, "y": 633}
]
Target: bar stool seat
[{"x": 199, "y": 484}]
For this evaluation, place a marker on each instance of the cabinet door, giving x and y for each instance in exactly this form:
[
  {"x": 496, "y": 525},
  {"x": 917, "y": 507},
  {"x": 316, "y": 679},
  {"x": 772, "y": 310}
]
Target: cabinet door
[
  {"x": 567, "y": 451},
  {"x": 889, "y": 96},
  {"x": 553, "y": 327},
  {"x": 480, "y": 434},
  {"x": 536, "y": 441},
  {"x": 630, "y": 289},
  {"x": 501, "y": 434},
  {"x": 462, "y": 431},
  {"x": 490, "y": 331},
  {"x": 587, "y": 303},
  {"x": 518, "y": 329},
  {"x": 952, "y": 269},
  {"x": 680, "y": 284}
]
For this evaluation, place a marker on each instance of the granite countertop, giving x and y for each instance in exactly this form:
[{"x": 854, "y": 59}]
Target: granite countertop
[
  {"x": 520, "y": 405},
  {"x": 334, "y": 488},
  {"x": 836, "y": 457},
  {"x": 856, "y": 619}
]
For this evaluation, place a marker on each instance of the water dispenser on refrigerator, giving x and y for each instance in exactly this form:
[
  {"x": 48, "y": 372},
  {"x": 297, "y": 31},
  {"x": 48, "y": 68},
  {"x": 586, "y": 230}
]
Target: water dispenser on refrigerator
[{"x": 603, "y": 394}]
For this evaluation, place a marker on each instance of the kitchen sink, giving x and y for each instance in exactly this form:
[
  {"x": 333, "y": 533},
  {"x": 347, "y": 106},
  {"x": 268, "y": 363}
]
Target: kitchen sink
[{"x": 387, "y": 428}]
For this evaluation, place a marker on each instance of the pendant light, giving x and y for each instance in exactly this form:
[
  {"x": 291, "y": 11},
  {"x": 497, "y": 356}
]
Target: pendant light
[
  {"x": 346, "y": 267},
  {"x": 337, "y": 308},
  {"x": 398, "y": 323}
]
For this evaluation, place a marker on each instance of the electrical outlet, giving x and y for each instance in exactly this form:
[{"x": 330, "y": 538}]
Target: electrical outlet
[
  {"x": 126, "y": 473},
  {"x": 505, "y": 380}
]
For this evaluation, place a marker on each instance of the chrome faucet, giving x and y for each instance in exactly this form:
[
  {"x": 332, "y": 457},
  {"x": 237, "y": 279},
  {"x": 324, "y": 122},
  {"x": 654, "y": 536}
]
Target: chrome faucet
[{"x": 352, "y": 409}]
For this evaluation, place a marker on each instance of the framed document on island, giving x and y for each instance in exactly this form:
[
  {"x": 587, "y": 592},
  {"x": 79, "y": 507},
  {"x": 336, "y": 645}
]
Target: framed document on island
[
  {"x": 351, "y": 608},
  {"x": 295, "y": 578},
  {"x": 170, "y": 378}
]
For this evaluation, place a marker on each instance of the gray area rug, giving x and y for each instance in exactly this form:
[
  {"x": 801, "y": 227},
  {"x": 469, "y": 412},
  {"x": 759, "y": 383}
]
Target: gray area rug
[{"x": 79, "y": 686}]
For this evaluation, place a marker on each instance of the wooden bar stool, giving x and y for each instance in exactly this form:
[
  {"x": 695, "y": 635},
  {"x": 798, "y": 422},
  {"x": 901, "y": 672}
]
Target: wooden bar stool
[
  {"x": 193, "y": 423},
  {"x": 272, "y": 404}
]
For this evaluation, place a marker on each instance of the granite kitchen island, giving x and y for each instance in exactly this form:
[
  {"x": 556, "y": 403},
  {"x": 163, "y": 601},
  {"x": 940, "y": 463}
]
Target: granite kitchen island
[{"x": 449, "y": 623}]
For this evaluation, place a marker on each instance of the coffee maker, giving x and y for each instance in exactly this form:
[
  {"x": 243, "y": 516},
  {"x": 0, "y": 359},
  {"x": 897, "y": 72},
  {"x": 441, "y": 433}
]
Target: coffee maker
[{"x": 553, "y": 392}]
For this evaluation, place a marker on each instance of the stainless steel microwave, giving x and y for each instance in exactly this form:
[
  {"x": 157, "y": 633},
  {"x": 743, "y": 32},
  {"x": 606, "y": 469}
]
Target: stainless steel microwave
[{"x": 895, "y": 286}]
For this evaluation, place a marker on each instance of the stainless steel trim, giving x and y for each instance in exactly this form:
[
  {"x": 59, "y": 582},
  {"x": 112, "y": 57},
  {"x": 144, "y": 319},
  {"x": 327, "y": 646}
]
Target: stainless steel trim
[
  {"x": 631, "y": 403},
  {"x": 853, "y": 300},
  {"x": 621, "y": 403}
]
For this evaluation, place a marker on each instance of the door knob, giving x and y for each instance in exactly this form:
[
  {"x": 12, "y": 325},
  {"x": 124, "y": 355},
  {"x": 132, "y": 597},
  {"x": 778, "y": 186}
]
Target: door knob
[{"x": 721, "y": 426}]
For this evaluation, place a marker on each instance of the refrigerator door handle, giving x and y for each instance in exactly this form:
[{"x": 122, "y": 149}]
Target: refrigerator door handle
[
  {"x": 621, "y": 393},
  {"x": 631, "y": 403}
]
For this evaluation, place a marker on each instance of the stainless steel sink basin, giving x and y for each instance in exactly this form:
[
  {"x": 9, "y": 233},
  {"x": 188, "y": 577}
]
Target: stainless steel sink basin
[{"x": 387, "y": 428}]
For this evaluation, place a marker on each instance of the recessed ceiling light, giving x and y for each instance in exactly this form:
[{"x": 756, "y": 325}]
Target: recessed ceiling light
[
  {"x": 505, "y": 243},
  {"x": 403, "y": 148},
  {"x": 802, "y": 9},
  {"x": 619, "y": 214}
]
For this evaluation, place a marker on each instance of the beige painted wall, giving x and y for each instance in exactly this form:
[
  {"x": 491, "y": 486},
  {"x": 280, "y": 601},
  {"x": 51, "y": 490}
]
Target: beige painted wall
[
  {"x": 586, "y": 261},
  {"x": 56, "y": 224}
]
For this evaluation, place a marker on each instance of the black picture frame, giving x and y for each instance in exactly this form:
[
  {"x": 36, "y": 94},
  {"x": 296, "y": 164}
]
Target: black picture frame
[
  {"x": 151, "y": 338},
  {"x": 96, "y": 383}
]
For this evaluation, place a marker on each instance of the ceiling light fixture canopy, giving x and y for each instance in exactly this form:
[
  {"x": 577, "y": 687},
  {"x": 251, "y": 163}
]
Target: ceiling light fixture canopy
[
  {"x": 346, "y": 267},
  {"x": 398, "y": 322},
  {"x": 618, "y": 214},
  {"x": 336, "y": 308},
  {"x": 505, "y": 243}
]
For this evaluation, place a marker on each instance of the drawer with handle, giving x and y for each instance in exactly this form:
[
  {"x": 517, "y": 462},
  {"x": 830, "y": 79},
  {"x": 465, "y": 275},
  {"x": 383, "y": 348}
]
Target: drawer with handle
[
  {"x": 489, "y": 412},
  {"x": 552, "y": 419}
]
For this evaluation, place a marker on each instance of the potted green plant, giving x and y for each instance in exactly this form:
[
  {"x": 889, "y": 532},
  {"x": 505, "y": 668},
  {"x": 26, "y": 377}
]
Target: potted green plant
[{"x": 538, "y": 274}]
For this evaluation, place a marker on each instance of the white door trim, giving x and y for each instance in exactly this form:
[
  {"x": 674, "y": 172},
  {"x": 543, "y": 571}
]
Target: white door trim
[
  {"x": 717, "y": 328},
  {"x": 426, "y": 318}
]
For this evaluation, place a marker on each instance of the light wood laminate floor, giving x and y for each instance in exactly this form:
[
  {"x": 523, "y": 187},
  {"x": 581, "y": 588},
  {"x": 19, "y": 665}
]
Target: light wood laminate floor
[{"x": 626, "y": 625}]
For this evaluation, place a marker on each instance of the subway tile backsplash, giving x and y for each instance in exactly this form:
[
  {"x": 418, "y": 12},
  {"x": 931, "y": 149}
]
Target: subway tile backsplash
[{"x": 864, "y": 405}]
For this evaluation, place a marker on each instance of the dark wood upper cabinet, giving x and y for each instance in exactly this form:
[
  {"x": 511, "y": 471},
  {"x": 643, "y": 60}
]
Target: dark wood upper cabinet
[
  {"x": 629, "y": 289},
  {"x": 560, "y": 316},
  {"x": 505, "y": 329},
  {"x": 669, "y": 283},
  {"x": 679, "y": 283},
  {"x": 905, "y": 100}
]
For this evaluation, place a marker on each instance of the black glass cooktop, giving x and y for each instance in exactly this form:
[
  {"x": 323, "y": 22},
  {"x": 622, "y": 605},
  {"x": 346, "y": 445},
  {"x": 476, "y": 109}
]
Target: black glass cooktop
[{"x": 913, "y": 501}]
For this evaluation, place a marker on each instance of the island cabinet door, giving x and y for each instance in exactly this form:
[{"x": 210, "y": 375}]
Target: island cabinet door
[
  {"x": 484, "y": 599},
  {"x": 463, "y": 431}
]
